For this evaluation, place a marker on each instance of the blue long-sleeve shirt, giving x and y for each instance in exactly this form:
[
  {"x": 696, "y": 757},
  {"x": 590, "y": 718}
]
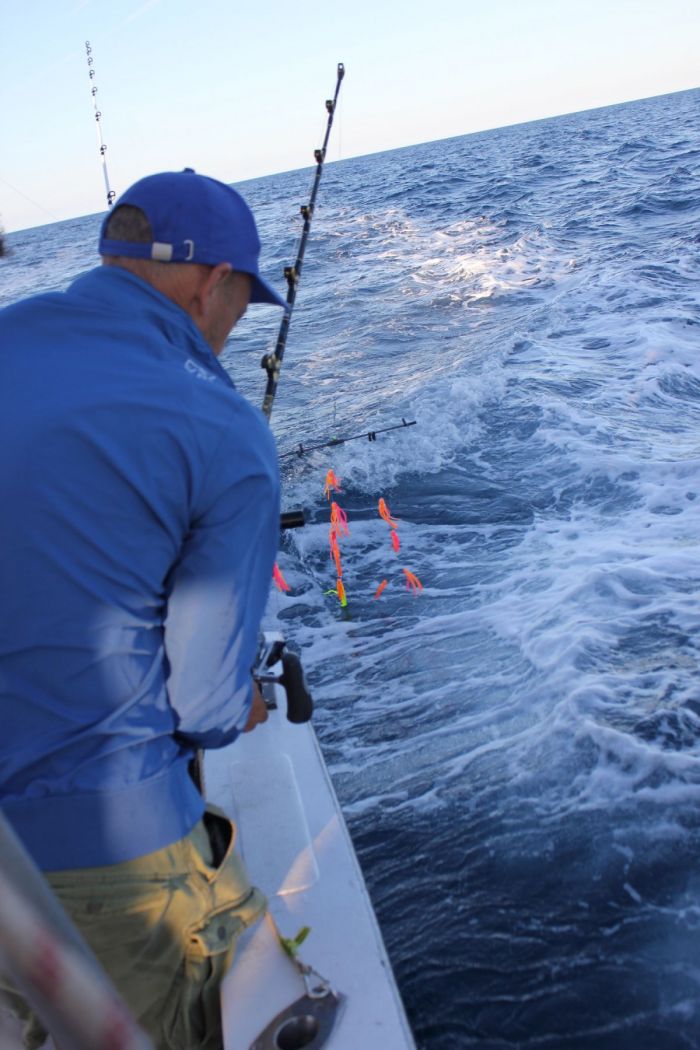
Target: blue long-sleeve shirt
[{"x": 139, "y": 518}]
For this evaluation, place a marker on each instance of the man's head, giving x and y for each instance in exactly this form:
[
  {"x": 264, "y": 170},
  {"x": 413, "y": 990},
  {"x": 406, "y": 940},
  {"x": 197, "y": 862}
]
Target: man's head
[{"x": 195, "y": 240}]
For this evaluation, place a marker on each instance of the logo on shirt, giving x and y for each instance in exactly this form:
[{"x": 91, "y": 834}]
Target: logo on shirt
[{"x": 198, "y": 372}]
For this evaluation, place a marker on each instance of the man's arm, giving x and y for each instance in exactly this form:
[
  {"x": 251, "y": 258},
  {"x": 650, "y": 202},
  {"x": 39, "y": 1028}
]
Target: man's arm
[{"x": 219, "y": 588}]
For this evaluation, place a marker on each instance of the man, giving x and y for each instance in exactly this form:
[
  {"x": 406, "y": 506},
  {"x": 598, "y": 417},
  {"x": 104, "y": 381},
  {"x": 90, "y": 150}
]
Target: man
[{"x": 139, "y": 524}]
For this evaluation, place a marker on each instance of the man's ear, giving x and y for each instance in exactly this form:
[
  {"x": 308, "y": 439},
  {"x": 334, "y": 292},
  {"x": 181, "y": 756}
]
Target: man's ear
[{"x": 208, "y": 288}]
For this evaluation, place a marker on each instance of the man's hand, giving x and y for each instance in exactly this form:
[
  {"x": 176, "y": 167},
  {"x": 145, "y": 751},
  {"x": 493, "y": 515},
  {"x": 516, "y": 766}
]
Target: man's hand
[{"x": 258, "y": 710}]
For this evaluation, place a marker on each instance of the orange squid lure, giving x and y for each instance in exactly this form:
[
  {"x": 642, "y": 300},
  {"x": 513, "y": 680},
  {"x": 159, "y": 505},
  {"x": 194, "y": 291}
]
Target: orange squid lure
[
  {"x": 332, "y": 484},
  {"x": 380, "y": 589},
  {"x": 279, "y": 579},
  {"x": 412, "y": 582},
  {"x": 339, "y": 521},
  {"x": 386, "y": 515},
  {"x": 395, "y": 541},
  {"x": 335, "y": 553},
  {"x": 341, "y": 593}
]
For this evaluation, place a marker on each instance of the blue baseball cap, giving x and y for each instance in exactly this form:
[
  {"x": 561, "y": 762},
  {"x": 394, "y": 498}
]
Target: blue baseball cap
[{"x": 194, "y": 219}]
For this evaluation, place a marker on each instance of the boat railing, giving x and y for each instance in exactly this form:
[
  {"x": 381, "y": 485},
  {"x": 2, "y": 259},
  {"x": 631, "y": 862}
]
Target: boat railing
[{"x": 46, "y": 960}]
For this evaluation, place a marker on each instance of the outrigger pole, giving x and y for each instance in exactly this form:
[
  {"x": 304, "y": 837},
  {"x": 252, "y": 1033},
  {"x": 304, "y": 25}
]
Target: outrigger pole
[
  {"x": 98, "y": 116},
  {"x": 272, "y": 362}
]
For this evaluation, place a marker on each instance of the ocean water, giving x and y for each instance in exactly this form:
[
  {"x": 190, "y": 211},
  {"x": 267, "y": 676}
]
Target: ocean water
[{"x": 517, "y": 747}]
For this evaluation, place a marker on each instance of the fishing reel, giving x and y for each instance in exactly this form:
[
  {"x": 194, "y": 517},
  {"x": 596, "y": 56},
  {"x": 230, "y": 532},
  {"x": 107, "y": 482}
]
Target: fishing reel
[{"x": 276, "y": 667}]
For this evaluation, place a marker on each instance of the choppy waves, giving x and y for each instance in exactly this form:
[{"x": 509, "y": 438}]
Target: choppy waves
[{"x": 518, "y": 749}]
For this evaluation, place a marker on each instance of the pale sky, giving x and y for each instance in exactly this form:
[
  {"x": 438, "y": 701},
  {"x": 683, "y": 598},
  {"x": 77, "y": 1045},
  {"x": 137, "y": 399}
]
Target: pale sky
[{"x": 236, "y": 90}]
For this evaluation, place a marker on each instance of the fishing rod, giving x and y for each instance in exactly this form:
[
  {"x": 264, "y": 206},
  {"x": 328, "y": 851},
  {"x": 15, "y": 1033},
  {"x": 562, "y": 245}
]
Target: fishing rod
[
  {"x": 371, "y": 435},
  {"x": 272, "y": 362},
  {"x": 98, "y": 117}
]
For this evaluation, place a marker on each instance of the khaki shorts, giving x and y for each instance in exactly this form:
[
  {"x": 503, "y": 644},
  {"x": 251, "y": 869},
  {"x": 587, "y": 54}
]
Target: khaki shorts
[{"x": 164, "y": 928}]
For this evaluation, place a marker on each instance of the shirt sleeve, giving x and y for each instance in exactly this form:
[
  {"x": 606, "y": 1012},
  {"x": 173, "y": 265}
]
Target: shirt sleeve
[{"x": 219, "y": 587}]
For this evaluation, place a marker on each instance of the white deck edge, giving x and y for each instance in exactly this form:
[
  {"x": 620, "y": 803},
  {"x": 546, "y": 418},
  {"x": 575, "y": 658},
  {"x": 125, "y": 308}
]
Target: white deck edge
[{"x": 275, "y": 784}]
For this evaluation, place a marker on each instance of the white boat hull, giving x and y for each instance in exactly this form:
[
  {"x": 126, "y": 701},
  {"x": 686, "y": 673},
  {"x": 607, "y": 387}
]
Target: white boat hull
[{"x": 297, "y": 849}]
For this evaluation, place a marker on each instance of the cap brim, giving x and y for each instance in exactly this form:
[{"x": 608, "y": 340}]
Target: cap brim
[{"x": 262, "y": 292}]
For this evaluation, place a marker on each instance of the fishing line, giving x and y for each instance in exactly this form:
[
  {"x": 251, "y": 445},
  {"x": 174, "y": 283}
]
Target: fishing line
[{"x": 30, "y": 199}]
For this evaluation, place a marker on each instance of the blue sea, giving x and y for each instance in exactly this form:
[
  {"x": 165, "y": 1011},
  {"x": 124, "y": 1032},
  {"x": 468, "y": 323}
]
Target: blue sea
[{"x": 516, "y": 747}]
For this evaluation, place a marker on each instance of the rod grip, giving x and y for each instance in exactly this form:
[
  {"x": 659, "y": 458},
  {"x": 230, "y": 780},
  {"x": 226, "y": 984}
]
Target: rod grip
[{"x": 300, "y": 704}]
